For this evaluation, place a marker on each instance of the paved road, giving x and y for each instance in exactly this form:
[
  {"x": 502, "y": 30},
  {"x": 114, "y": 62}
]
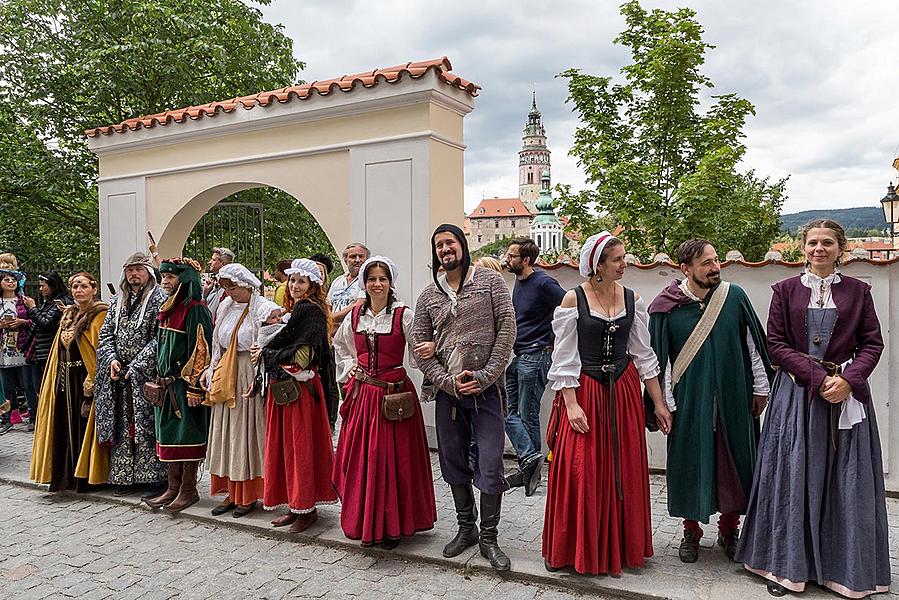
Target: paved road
[
  {"x": 712, "y": 578},
  {"x": 56, "y": 547}
]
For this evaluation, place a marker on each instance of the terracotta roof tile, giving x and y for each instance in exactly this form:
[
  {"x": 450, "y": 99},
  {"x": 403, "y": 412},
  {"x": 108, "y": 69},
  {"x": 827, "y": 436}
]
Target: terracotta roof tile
[
  {"x": 499, "y": 207},
  {"x": 415, "y": 70}
]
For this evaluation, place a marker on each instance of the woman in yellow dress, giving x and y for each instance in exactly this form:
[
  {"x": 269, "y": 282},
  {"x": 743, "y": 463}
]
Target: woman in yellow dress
[{"x": 65, "y": 452}]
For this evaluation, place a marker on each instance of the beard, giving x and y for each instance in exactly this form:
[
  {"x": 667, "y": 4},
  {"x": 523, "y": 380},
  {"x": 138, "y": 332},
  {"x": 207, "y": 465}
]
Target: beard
[
  {"x": 710, "y": 281},
  {"x": 517, "y": 270},
  {"x": 450, "y": 262}
]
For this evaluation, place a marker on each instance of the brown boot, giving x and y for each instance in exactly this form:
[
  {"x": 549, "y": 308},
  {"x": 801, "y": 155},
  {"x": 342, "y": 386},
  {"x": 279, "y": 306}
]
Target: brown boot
[
  {"x": 188, "y": 494},
  {"x": 175, "y": 470}
]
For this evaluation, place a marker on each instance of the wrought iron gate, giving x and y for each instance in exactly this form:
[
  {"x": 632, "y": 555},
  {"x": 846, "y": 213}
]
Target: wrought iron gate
[{"x": 234, "y": 225}]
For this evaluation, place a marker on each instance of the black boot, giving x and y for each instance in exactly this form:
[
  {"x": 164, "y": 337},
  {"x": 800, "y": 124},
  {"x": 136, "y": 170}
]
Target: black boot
[
  {"x": 467, "y": 516},
  {"x": 490, "y": 509}
]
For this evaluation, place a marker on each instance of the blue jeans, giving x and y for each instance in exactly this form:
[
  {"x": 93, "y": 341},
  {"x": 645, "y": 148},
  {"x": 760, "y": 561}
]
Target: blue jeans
[
  {"x": 525, "y": 383},
  {"x": 15, "y": 378}
]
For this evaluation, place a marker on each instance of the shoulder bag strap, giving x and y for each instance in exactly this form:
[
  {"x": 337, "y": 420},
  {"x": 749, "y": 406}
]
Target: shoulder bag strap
[{"x": 700, "y": 333}]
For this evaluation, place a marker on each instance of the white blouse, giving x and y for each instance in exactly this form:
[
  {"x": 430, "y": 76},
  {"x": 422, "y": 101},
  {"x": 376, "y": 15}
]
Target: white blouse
[
  {"x": 369, "y": 322},
  {"x": 822, "y": 297},
  {"x": 566, "y": 362},
  {"x": 228, "y": 314}
]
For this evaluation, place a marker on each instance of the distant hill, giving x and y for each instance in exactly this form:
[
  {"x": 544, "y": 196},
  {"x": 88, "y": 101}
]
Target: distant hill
[{"x": 865, "y": 217}]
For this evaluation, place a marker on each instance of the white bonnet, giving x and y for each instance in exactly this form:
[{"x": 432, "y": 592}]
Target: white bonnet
[
  {"x": 380, "y": 259},
  {"x": 307, "y": 268},
  {"x": 591, "y": 251},
  {"x": 240, "y": 275}
]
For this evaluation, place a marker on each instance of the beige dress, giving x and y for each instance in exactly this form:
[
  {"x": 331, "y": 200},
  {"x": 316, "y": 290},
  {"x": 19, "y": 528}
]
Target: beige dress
[{"x": 236, "y": 435}]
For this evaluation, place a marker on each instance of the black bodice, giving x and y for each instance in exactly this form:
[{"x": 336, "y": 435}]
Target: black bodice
[{"x": 602, "y": 344}]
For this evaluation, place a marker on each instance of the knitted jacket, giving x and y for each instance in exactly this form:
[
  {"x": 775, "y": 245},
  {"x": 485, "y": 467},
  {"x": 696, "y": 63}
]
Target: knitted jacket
[{"x": 476, "y": 332}]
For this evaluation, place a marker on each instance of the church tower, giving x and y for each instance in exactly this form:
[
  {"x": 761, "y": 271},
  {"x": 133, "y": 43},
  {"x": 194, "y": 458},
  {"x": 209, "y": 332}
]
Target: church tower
[
  {"x": 533, "y": 158},
  {"x": 546, "y": 229}
]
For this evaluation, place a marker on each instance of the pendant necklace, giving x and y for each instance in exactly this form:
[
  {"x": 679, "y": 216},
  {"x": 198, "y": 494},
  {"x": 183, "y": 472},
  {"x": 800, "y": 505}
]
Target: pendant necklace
[{"x": 821, "y": 302}]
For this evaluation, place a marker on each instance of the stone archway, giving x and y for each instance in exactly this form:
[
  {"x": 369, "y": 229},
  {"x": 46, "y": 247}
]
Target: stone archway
[{"x": 372, "y": 162}]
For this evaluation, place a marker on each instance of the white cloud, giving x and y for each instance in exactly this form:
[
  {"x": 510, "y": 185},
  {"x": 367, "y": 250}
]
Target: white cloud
[{"x": 819, "y": 73}]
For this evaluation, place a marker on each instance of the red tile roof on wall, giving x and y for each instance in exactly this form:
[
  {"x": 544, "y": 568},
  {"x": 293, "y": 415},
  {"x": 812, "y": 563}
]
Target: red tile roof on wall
[
  {"x": 415, "y": 70},
  {"x": 500, "y": 207}
]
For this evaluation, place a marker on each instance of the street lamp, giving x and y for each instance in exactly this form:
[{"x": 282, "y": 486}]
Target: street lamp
[{"x": 890, "y": 205}]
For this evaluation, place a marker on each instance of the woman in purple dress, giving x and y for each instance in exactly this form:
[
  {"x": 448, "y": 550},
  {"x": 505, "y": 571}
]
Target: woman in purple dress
[{"x": 817, "y": 511}]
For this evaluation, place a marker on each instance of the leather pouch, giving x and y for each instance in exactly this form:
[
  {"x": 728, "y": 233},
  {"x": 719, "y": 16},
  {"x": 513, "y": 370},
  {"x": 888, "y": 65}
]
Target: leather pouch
[
  {"x": 397, "y": 407},
  {"x": 284, "y": 391},
  {"x": 154, "y": 393}
]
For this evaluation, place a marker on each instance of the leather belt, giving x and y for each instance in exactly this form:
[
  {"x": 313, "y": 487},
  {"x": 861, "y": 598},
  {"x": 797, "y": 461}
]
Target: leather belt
[{"x": 391, "y": 388}]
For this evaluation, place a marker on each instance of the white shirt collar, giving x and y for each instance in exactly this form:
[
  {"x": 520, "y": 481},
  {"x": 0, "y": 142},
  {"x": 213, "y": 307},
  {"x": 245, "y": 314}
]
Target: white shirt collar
[{"x": 810, "y": 280}]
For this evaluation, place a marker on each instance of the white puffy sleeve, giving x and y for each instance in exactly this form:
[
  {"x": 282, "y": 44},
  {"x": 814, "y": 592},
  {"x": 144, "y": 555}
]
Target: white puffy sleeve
[
  {"x": 408, "y": 317},
  {"x": 565, "y": 371},
  {"x": 760, "y": 385},
  {"x": 344, "y": 350},
  {"x": 638, "y": 344}
]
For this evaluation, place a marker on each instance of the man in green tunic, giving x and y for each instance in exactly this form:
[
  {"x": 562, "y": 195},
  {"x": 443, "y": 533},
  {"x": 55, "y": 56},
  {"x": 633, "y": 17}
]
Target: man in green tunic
[
  {"x": 715, "y": 398},
  {"x": 185, "y": 331}
]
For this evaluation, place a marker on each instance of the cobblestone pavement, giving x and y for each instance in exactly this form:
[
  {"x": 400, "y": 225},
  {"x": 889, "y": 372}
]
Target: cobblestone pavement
[
  {"x": 63, "y": 546},
  {"x": 665, "y": 576}
]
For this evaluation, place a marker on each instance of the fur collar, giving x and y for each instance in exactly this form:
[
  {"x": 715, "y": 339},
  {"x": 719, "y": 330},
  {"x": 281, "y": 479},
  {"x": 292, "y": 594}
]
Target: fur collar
[{"x": 78, "y": 321}]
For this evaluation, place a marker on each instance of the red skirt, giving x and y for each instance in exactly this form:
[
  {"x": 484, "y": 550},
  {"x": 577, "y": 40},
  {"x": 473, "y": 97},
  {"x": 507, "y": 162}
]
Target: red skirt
[
  {"x": 382, "y": 470},
  {"x": 298, "y": 453},
  {"x": 586, "y": 525}
]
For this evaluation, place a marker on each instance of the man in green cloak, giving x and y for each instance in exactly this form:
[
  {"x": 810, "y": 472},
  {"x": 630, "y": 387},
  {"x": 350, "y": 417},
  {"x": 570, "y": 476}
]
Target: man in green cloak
[
  {"x": 711, "y": 348},
  {"x": 182, "y": 422}
]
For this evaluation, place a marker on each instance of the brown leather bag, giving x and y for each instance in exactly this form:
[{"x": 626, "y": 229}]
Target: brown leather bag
[
  {"x": 397, "y": 407},
  {"x": 284, "y": 391},
  {"x": 154, "y": 393}
]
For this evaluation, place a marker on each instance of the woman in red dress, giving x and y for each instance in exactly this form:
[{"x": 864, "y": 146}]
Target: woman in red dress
[
  {"x": 382, "y": 470},
  {"x": 298, "y": 451},
  {"x": 597, "y": 507}
]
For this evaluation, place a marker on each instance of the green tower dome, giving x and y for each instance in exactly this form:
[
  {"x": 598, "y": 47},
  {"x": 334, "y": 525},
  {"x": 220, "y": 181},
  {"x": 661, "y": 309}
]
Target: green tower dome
[{"x": 545, "y": 213}]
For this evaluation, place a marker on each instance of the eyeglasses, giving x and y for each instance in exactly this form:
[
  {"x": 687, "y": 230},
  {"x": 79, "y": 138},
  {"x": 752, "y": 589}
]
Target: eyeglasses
[{"x": 510, "y": 255}]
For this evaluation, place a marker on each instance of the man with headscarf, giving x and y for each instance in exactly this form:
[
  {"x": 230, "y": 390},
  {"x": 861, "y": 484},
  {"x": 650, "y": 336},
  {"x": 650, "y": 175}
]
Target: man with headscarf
[
  {"x": 711, "y": 349},
  {"x": 468, "y": 313},
  {"x": 126, "y": 359},
  {"x": 182, "y": 356}
]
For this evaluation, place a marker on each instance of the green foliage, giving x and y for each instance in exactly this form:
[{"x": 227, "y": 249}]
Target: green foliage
[
  {"x": 290, "y": 231},
  {"x": 662, "y": 169},
  {"x": 70, "y": 65},
  {"x": 495, "y": 249}
]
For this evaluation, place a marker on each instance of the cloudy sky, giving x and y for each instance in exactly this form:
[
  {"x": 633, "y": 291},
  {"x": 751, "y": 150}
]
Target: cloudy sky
[{"x": 821, "y": 74}]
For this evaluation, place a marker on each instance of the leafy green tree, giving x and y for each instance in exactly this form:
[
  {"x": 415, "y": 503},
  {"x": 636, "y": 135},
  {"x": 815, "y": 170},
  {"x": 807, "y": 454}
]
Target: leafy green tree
[
  {"x": 662, "y": 168},
  {"x": 69, "y": 65},
  {"x": 495, "y": 248},
  {"x": 290, "y": 231}
]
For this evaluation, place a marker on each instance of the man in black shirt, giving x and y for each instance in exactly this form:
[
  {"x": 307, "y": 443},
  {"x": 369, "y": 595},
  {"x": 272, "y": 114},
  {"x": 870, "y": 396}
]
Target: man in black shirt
[{"x": 535, "y": 297}]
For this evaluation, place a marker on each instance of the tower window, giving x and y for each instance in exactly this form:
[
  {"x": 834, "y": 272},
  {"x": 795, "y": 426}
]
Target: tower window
[
  {"x": 530, "y": 178},
  {"x": 496, "y": 224}
]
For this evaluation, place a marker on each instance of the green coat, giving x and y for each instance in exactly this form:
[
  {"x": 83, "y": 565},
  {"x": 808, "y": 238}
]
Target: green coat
[
  {"x": 718, "y": 381},
  {"x": 184, "y": 338}
]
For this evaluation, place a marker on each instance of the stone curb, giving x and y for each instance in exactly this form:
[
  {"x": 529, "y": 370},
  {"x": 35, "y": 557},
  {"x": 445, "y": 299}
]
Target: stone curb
[{"x": 567, "y": 581}]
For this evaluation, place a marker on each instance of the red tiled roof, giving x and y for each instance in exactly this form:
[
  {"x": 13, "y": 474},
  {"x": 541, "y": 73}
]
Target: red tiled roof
[
  {"x": 499, "y": 207},
  {"x": 347, "y": 83}
]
